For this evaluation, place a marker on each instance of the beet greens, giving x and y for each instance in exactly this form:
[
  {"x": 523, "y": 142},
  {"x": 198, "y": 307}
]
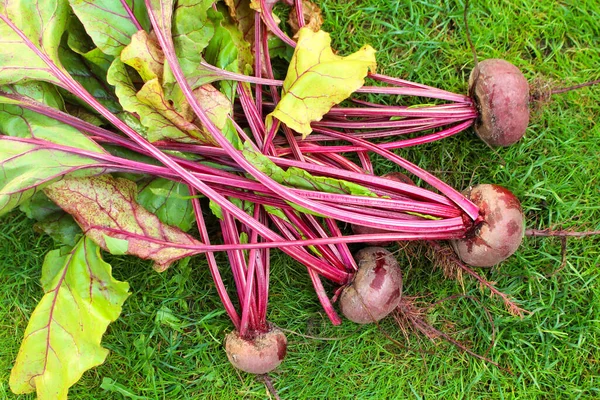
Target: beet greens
[{"x": 132, "y": 131}]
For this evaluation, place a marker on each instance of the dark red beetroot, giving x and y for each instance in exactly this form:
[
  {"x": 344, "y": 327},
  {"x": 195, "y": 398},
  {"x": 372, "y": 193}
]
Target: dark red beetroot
[
  {"x": 376, "y": 289},
  {"x": 260, "y": 355},
  {"x": 499, "y": 234},
  {"x": 365, "y": 230},
  {"x": 501, "y": 93}
]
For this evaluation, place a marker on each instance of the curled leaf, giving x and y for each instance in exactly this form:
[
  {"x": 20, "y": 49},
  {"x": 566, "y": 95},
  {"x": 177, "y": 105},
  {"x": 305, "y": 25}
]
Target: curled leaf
[
  {"x": 157, "y": 125},
  {"x": 145, "y": 56},
  {"x": 312, "y": 17}
]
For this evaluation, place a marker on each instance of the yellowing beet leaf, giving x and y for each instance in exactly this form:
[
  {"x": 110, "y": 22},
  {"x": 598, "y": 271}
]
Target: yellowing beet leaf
[
  {"x": 62, "y": 339},
  {"x": 317, "y": 80}
]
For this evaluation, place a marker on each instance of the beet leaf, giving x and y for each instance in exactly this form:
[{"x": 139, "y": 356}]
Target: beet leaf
[
  {"x": 105, "y": 206},
  {"x": 111, "y": 23},
  {"x": 62, "y": 339}
]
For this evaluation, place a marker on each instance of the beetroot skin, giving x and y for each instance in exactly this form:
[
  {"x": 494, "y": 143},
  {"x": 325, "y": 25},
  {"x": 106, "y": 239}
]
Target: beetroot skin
[
  {"x": 499, "y": 234},
  {"x": 259, "y": 355},
  {"x": 376, "y": 289},
  {"x": 501, "y": 94}
]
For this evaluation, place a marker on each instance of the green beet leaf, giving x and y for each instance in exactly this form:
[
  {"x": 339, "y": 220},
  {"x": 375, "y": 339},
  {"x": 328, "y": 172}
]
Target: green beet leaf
[
  {"x": 192, "y": 32},
  {"x": 43, "y": 24},
  {"x": 317, "y": 79},
  {"x": 79, "y": 42},
  {"x": 15, "y": 120},
  {"x": 169, "y": 201},
  {"x": 62, "y": 339},
  {"x": 229, "y": 50},
  {"x": 106, "y": 206},
  {"x": 52, "y": 220},
  {"x": 28, "y": 167},
  {"x": 77, "y": 66},
  {"x": 109, "y": 23}
]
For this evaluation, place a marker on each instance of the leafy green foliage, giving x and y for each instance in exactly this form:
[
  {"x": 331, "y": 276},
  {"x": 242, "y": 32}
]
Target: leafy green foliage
[
  {"x": 52, "y": 220},
  {"x": 62, "y": 339},
  {"x": 169, "y": 201},
  {"x": 43, "y": 24},
  {"x": 191, "y": 34},
  {"x": 108, "y": 23},
  {"x": 77, "y": 66},
  {"x": 27, "y": 168},
  {"x": 20, "y": 122}
]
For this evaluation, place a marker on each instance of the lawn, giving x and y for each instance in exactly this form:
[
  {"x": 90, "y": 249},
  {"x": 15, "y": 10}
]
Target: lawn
[{"x": 168, "y": 342}]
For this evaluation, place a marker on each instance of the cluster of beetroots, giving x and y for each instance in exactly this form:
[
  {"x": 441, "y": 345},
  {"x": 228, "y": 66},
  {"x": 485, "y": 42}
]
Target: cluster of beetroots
[
  {"x": 319, "y": 188},
  {"x": 499, "y": 94}
]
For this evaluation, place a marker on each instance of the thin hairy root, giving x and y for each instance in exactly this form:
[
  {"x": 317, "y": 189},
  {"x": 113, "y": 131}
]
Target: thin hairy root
[
  {"x": 408, "y": 314},
  {"x": 511, "y": 306},
  {"x": 543, "y": 89},
  {"x": 410, "y": 317},
  {"x": 443, "y": 257},
  {"x": 563, "y": 253}
]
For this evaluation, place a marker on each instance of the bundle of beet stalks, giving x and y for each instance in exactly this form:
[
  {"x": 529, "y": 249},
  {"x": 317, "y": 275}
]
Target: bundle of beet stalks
[{"x": 124, "y": 125}]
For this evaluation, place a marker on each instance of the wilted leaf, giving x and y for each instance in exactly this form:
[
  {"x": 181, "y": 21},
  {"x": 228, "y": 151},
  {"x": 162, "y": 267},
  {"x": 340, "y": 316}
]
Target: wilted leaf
[
  {"x": 317, "y": 80},
  {"x": 106, "y": 206},
  {"x": 158, "y": 127},
  {"x": 243, "y": 16},
  {"x": 62, "y": 339},
  {"x": 145, "y": 56},
  {"x": 312, "y": 17},
  {"x": 151, "y": 94},
  {"x": 43, "y": 24},
  {"x": 216, "y": 105}
]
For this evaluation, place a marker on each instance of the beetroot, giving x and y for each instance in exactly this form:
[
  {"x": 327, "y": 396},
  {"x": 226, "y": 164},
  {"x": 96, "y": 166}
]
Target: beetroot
[
  {"x": 259, "y": 355},
  {"x": 499, "y": 234},
  {"x": 501, "y": 94},
  {"x": 376, "y": 289}
]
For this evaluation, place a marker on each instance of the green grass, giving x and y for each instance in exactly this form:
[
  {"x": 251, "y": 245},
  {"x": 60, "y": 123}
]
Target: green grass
[{"x": 167, "y": 343}]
